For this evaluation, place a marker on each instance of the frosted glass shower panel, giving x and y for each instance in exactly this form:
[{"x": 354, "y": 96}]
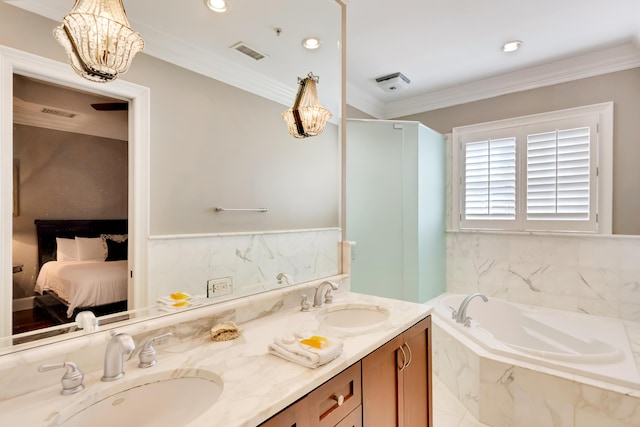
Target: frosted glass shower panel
[{"x": 395, "y": 208}]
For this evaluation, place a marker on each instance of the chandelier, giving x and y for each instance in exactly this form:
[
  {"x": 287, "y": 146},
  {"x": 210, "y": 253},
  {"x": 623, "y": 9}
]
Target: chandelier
[
  {"x": 307, "y": 117},
  {"x": 98, "y": 39}
]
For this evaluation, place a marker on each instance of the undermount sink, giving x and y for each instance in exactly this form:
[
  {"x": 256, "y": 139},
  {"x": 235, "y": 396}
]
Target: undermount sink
[
  {"x": 353, "y": 316},
  {"x": 169, "y": 402}
]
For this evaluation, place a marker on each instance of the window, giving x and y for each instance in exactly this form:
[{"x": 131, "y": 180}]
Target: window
[{"x": 548, "y": 172}]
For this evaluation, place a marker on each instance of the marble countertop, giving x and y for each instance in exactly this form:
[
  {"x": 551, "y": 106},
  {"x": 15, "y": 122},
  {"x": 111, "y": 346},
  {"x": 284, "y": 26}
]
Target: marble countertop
[{"x": 256, "y": 384}]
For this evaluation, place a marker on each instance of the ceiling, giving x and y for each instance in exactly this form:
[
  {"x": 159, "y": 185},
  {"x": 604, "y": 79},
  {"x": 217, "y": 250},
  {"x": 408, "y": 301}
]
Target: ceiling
[{"x": 450, "y": 50}]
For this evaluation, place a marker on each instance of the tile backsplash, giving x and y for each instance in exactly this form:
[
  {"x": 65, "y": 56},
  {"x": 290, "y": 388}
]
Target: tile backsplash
[
  {"x": 591, "y": 274},
  {"x": 185, "y": 263}
]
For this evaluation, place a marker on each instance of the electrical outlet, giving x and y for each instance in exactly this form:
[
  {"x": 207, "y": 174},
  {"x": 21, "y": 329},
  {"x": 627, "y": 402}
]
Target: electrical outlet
[{"x": 219, "y": 287}]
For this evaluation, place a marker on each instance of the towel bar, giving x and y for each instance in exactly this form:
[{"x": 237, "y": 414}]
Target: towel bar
[{"x": 219, "y": 209}]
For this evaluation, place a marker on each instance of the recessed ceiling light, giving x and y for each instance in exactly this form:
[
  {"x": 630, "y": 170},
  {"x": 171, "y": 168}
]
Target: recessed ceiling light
[
  {"x": 311, "y": 42},
  {"x": 511, "y": 46},
  {"x": 217, "y": 5}
]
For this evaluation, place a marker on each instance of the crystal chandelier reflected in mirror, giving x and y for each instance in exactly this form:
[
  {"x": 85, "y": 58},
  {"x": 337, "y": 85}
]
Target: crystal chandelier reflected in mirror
[
  {"x": 307, "y": 117},
  {"x": 98, "y": 39}
]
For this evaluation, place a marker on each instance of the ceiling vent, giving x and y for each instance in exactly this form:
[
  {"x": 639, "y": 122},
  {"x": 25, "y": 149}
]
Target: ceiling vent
[
  {"x": 393, "y": 82},
  {"x": 60, "y": 113},
  {"x": 249, "y": 51}
]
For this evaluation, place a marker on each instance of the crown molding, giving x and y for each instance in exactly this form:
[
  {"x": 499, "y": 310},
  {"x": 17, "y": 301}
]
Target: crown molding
[
  {"x": 606, "y": 61},
  {"x": 175, "y": 51},
  {"x": 364, "y": 101},
  {"x": 170, "y": 49}
]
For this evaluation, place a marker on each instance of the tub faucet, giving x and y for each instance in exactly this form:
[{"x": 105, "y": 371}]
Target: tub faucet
[
  {"x": 461, "y": 314},
  {"x": 120, "y": 345},
  {"x": 322, "y": 293}
]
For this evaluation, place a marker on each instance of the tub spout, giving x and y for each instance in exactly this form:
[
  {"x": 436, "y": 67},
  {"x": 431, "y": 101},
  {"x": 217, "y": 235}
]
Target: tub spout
[{"x": 461, "y": 314}]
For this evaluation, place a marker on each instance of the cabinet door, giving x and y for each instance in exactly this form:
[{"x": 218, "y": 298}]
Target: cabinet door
[
  {"x": 380, "y": 381},
  {"x": 417, "y": 376}
]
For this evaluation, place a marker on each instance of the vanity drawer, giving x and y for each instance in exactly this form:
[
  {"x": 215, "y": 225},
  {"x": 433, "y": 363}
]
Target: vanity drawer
[
  {"x": 334, "y": 400},
  {"x": 354, "y": 419}
]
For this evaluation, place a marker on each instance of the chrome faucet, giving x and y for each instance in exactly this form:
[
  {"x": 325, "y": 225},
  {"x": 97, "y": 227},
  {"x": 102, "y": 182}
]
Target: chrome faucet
[
  {"x": 286, "y": 277},
  {"x": 120, "y": 345},
  {"x": 461, "y": 315},
  {"x": 323, "y": 293},
  {"x": 72, "y": 379}
]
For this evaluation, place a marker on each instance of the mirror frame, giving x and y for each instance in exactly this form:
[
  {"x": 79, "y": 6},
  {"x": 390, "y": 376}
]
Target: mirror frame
[{"x": 13, "y": 61}]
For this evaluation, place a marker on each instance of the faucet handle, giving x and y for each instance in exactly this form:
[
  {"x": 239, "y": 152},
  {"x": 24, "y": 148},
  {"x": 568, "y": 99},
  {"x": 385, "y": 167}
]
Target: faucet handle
[
  {"x": 328, "y": 297},
  {"x": 147, "y": 355},
  {"x": 305, "y": 305},
  {"x": 71, "y": 380}
]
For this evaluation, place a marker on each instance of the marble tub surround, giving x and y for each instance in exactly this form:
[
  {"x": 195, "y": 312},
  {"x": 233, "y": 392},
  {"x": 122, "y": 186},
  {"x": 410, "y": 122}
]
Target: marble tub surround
[
  {"x": 252, "y": 260},
  {"x": 591, "y": 274},
  {"x": 256, "y": 385},
  {"x": 592, "y": 346},
  {"x": 500, "y": 391}
]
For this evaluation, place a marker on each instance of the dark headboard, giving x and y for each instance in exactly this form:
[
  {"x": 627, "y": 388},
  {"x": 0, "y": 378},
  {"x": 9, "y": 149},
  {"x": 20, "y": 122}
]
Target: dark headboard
[{"x": 48, "y": 229}]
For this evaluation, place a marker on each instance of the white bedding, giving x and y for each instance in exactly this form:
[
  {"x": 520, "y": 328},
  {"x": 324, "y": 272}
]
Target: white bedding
[{"x": 84, "y": 283}]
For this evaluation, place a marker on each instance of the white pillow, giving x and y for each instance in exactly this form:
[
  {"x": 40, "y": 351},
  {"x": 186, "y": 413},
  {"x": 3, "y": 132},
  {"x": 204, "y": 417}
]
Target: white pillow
[
  {"x": 91, "y": 249},
  {"x": 66, "y": 249}
]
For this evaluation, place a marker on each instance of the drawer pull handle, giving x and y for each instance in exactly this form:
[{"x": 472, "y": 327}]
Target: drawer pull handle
[
  {"x": 339, "y": 399},
  {"x": 410, "y": 355},
  {"x": 404, "y": 359}
]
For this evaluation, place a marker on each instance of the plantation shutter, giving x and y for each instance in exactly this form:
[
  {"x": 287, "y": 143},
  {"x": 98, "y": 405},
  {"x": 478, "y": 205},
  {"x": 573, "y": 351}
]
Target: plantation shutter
[
  {"x": 559, "y": 175},
  {"x": 547, "y": 172},
  {"x": 490, "y": 179}
]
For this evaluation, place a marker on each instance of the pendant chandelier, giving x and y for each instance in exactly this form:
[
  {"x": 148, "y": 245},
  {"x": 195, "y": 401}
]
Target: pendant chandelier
[
  {"x": 98, "y": 39},
  {"x": 307, "y": 117}
]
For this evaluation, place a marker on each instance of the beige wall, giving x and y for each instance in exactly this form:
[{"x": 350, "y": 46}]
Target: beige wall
[
  {"x": 623, "y": 88},
  {"x": 200, "y": 130},
  {"x": 354, "y": 113}
]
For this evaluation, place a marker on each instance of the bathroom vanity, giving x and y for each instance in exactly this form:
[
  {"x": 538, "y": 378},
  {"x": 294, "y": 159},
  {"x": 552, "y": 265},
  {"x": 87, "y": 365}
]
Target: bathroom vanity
[
  {"x": 389, "y": 387},
  {"x": 385, "y": 361}
]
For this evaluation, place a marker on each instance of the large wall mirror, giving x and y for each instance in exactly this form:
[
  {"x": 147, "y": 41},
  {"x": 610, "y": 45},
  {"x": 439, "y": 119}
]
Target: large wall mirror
[{"x": 193, "y": 125}]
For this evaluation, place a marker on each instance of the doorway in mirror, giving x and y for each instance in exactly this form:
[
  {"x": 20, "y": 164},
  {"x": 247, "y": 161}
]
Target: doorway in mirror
[{"x": 72, "y": 148}]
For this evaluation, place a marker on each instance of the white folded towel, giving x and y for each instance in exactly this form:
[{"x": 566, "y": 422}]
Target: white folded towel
[{"x": 289, "y": 347}]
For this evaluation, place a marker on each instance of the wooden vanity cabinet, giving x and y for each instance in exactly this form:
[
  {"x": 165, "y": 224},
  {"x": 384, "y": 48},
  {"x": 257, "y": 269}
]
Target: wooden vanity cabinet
[
  {"x": 389, "y": 387},
  {"x": 396, "y": 379}
]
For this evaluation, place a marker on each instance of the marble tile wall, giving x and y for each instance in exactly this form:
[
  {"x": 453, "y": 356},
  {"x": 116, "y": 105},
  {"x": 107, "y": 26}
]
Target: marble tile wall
[
  {"x": 252, "y": 260},
  {"x": 591, "y": 274}
]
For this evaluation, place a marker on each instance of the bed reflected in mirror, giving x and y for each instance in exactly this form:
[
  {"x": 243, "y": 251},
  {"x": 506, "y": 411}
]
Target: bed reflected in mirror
[{"x": 82, "y": 266}]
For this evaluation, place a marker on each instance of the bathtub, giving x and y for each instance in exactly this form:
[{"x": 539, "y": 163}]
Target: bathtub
[{"x": 572, "y": 343}]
